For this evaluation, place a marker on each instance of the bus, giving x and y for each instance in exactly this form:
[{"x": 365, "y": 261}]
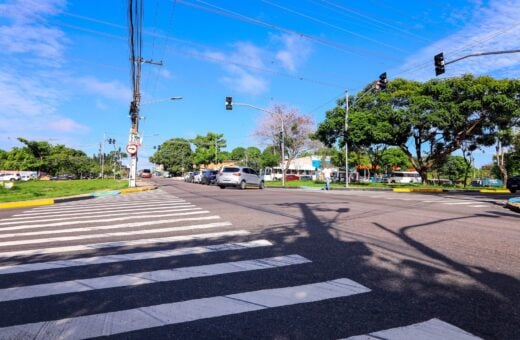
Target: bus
[{"x": 404, "y": 177}]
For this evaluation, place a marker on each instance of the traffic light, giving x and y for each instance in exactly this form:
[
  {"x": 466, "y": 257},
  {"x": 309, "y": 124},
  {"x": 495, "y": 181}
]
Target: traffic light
[
  {"x": 439, "y": 64},
  {"x": 381, "y": 84},
  {"x": 229, "y": 103}
]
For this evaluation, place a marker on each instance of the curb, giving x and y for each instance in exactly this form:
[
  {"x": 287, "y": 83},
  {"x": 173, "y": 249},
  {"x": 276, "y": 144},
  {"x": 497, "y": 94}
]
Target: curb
[
  {"x": 495, "y": 191},
  {"x": 417, "y": 190},
  {"x": 51, "y": 201},
  {"x": 513, "y": 204}
]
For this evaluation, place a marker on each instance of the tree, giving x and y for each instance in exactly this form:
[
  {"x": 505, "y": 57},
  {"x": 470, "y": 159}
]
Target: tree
[
  {"x": 297, "y": 129},
  {"x": 175, "y": 155},
  {"x": 270, "y": 157},
  {"x": 428, "y": 121},
  {"x": 208, "y": 148},
  {"x": 454, "y": 168},
  {"x": 238, "y": 153}
]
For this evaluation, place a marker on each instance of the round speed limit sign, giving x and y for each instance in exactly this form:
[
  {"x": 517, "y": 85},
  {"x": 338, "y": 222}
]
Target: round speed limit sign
[{"x": 131, "y": 149}]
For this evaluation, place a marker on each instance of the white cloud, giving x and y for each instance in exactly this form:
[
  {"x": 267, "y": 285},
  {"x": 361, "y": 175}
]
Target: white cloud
[
  {"x": 27, "y": 32},
  {"x": 294, "y": 52},
  {"x": 111, "y": 89},
  {"x": 66, "y": 125},
  {"x": 492, "y": 28}
]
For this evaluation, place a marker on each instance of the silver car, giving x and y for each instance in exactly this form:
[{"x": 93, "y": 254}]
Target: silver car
[{"x": 238, "y": 176}]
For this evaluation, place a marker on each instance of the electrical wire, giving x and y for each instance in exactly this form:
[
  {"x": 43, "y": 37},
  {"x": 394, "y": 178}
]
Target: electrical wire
[{"x": 333, "y": 26}]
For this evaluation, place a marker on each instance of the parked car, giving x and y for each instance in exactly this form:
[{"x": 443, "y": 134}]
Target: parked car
[
  {"x": 197, "y": 176},
  {"x": 513, "y": 183},
  {"x": 306, "y": 178},
  {"x": 291, "y": 177},
  {"x": 238, "y": 176},
  {"x": 209, "y": 177},
  {"x": 9, "y": 177},
  {"x": 486, "y": 182},
  {"x": 188, "y": 177},
  {"x": 26, "y": 178}
]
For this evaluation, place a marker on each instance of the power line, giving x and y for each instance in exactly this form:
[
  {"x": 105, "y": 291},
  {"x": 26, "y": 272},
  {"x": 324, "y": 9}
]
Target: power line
[
  {"x": 333, "y": 26},
  {"x": 339, "y": 46}
]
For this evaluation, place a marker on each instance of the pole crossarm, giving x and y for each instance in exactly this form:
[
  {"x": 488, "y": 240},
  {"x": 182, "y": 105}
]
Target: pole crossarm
[{"x": 481, "y": 54}]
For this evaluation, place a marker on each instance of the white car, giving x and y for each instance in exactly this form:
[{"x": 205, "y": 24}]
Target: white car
[
  {"x": 197, "y": 176},
  {"x": 10, "y": 177},
  {"x": 238, "y": 176},
  {"x": 26, "y": 178}
]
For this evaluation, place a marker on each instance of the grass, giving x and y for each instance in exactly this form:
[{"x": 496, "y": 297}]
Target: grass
[
  {"x": 321, "y": 184},
  {"x": 33, "y": 190}
]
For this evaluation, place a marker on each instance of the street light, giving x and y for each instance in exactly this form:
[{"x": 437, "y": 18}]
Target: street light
[{"x": 230, "y": 103}]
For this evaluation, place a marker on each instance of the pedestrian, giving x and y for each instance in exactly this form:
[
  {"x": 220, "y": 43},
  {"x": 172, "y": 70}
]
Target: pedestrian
[{"x": 326, "y": 175}]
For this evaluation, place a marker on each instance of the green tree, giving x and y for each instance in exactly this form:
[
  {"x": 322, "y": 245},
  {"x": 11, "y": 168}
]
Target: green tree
[
  {"x": 208, "y": 148},
  {"x": 454, "y": 168},
  {"x": 175, "y": 155},
  {"x": 238, "y": 153},
  {"x": 428, "y": 121},
  {"x": 270, "y": 157}
]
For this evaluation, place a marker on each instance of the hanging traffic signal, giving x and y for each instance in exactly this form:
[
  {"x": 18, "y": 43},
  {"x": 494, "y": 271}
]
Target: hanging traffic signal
[
  {"x": 229, "y": 103},
  {"x": 439, "y": 64},
  {"x": 382, "y": 81}
]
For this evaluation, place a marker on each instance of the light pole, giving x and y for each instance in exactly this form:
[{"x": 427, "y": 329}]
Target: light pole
[
  {"x": 134, "y": 140},
  {"x": 346, "y": 144},
  {"x": 230, "y": 103}
]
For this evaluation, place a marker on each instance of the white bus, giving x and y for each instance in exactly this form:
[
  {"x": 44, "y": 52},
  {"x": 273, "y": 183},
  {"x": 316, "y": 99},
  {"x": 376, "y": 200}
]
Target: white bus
[{"x": 404, "y": 177}]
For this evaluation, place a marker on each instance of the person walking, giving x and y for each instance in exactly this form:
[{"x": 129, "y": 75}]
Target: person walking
[{"x": 326, "y": 175}]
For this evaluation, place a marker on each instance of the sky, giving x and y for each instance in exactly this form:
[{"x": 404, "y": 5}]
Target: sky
[{"x": 65, "y": 71}]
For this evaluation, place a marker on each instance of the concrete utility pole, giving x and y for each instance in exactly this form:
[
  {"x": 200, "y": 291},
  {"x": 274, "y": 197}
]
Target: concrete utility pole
[{"x": 346, "y": 144}]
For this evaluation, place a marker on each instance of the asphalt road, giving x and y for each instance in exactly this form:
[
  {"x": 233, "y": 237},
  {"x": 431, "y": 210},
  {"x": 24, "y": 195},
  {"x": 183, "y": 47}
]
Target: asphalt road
[{"x": 405, "y": 258}]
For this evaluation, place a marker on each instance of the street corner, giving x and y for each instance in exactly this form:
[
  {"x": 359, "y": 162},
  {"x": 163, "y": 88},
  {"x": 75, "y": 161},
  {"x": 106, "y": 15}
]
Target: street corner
[{"x": 24, "y": 204}]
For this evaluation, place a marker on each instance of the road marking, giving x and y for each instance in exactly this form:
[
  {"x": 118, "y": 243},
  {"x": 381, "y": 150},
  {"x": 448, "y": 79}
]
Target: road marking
[
  {"x": 96, "y": 203},
  {"x": 59, "y": 224},
  {"x": 94, "y": 228},
  {"x": 147, "y": 255},
  {"x": 480, "y": 206},
  {"x": 433, "y": 329},
  {"x": 125, "y": 233},
  {"x": 114, "y": 244},
  {"x": 141, "y": 278},
  {"x": 103, "y": 207},
  {"x": 458, "y": 203},
  {"x": 106, "y": 324},
  {"x": 64, "y": 217}
]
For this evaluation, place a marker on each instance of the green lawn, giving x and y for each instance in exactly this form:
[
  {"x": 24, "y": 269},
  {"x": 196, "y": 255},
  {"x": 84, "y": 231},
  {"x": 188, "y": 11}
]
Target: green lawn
[
  {"x": 32, "y": 190},
  {"x": 320, "y": 184}
]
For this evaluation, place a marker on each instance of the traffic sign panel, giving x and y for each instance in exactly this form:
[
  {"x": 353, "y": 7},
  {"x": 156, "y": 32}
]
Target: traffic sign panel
[{"x": 131, "y": 149}]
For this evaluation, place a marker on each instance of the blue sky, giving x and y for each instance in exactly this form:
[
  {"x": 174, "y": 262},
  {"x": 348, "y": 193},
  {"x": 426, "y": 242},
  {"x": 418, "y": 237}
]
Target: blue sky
[{"x": 65, "y": 70}]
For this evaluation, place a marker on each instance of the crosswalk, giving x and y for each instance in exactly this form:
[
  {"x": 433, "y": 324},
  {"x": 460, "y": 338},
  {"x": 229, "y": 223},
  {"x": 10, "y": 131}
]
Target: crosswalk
[{"x": 151, "y": 240}]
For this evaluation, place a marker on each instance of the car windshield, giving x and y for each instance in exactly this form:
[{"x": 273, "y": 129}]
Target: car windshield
[{"x": 230, "y": 170}]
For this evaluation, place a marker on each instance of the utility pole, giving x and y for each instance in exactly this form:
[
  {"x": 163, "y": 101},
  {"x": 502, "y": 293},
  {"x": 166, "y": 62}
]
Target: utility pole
[
  {"x": 346, "y": 144},
  {"x": 135, "y": 46}
]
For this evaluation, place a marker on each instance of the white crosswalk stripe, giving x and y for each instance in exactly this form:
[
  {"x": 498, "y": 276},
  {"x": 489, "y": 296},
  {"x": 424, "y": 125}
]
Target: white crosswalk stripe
[
  {"x": 86, "y": 261},
  {"x": 433, "y": 329},
  {"x": 106, "y": 324},
  {"x": 105, "y": 219},
  {"x": 125, "y": 233},
  {"x": 133, "y": 279},
  {"x": 123, "y": 244},
  {"x": 65, "y": 238}
]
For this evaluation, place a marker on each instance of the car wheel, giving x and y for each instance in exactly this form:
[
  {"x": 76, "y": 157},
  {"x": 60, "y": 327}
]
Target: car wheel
[
  {"x": 512, "y": 190},
  {"x": 261, "y": 185},
  {"x": 222, "y": 186},
  {"x": 243, "y": 185}
]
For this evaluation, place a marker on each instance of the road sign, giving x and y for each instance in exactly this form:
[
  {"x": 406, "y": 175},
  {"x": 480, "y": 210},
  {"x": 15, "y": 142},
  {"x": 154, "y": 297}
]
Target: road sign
[{"x": 131, "y": 149}]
